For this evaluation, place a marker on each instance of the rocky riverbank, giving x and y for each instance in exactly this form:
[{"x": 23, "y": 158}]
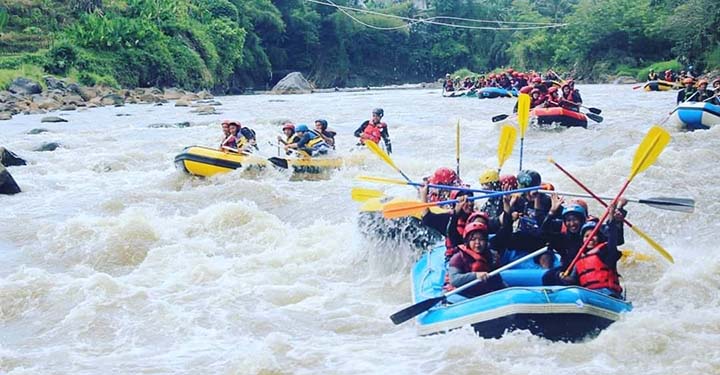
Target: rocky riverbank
[{"x": 30, "y": 97}]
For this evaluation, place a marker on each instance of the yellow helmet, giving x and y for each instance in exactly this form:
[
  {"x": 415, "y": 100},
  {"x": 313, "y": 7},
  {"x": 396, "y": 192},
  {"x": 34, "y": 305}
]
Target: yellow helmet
[{"x": 490, "y": 175}]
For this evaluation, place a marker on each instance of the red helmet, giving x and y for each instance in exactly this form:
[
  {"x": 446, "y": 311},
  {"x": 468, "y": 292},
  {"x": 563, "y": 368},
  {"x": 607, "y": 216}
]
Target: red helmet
[
  {"x": 526, "y": 90},
  {"x": 444, "y": 176},
  {"x": 234, "y": 123},
  {"x": 537, "y": 80},
  {"x": 457, "y": 193},
  {"x": 552, "y": 90},
  {"x": 288, "y": 126},
  {"x": 509, "y": 180},
  {"x": 474, "y": 227},
  {"x": 478, "y": 214}
]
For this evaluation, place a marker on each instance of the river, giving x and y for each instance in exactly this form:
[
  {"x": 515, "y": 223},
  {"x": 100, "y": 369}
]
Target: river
[{"x": 113, "y": 261}]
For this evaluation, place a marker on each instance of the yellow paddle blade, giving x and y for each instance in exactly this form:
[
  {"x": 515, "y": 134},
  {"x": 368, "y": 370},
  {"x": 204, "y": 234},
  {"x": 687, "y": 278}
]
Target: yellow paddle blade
[
  {"x": 629, "y": 256},
  {"x": 508, "y": 135},
  {"x": 372, "y": 205},
  {"x": 380, "y": 153},
  {"x": 395, "y": 210},
  {"x": 362, "y": 195},
  {"x": 523, "y": 113},
  {"x": 654, "y": 244},
  {"x": 382, "y": 180},
  {"x": 649, "y": 150}
]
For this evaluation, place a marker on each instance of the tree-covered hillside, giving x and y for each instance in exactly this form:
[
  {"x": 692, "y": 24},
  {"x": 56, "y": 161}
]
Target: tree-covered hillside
[{"x": 231, "y": 45}]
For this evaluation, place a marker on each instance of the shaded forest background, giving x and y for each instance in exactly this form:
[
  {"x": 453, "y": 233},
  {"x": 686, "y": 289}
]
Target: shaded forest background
[{"x": 229, "y": 46}]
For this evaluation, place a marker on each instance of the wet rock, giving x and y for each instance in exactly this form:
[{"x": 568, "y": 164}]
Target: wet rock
[
  {"x": 73, "y": 99},
  {"x": 293, "y": 83},
  {"x": 53, "y": 119},
  {"x": 7, "y": 183},
  {"x": 44, "y": 102},
  {"x": 37, "y": 131},
  {"x": 123, "y": 114},
  {"x": 8, "y": 158},
  {"x": 173, "y": 94},
  {"x": 53, "y": 83},
  {"x": 68, "y": 107},
  {"x": 5, "y": 116},
  {"x": 205, "y": 110},
  {"x": 112, "y": 99},
  {"x": 181, "y": 103},
  {"x": 35, "y": 111},
  {"x": 24, "y": 86},
  {"x": 184, "y": 124},
  {"x": 50, "y": 146}
]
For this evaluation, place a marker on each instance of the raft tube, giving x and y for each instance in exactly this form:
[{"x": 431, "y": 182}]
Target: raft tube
[
  {"x": 558, "y": 313},
  {"x": 559, "y": 115},
  {"x": 696, "y": 115},
  {"x": 496, "y": 92},
  {"x": 660, "y": 85}
]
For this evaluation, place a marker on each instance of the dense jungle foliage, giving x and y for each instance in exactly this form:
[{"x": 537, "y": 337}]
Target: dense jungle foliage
[{"x": 231, "y": 45}]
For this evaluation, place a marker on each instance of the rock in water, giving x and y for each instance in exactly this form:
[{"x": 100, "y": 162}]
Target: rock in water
[
  {"x": 7, "y": 183},
  {"x": 293, "y": 83},
  {"x": 53, "y": 119},
  {"x": 8, "y": 158},
  {"x": 51, "y": 146}
]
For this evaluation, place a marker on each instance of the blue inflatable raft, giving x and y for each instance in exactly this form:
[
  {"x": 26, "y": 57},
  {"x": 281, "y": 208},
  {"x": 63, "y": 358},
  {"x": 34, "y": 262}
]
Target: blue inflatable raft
[
  {"x": 496, "y": 92},
  {"x": 693, "y": 116},
  {"x": 559, "y": 313}
]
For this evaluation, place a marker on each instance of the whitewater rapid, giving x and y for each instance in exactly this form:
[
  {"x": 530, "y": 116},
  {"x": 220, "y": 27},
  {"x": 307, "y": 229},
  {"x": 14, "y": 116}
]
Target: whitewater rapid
[{"x": 113, "y": 261}]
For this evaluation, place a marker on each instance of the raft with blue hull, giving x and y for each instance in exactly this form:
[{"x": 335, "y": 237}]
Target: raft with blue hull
[
  {"x": 698, "y": 115},
  {"x": 496, "y": 92},
  {"x": 558, "y": 313}
]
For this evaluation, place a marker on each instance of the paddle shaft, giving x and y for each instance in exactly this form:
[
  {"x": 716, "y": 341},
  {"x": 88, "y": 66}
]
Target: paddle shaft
[
  {"x": 457, "y": 148},
  {"x": 597, "y": 227},
  {"x": 422, "y": 306},
  {"x": 497, "y": 271}
]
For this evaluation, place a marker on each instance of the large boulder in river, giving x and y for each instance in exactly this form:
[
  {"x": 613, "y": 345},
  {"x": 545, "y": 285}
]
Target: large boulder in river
[
  {"x": 8, "y": 158},
  {"x": 293, "y": 83},
  {"x": 7, "y": 182},
  {"x": 24, "y": 86}
]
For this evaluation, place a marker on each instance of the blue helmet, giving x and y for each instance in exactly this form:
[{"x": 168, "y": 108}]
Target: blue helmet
[
  {"x": 528, "y": 178},
  {"x": 589, "y": 226},
  {"x": 575, "y": 209},
  {"x": 302, "y": 128}
]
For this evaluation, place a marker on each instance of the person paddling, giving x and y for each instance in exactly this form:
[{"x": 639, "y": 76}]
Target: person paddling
[
  {"x": 652, "y": 76},
  {"x": 374, "y": 130},
  {"x": 290, "y": 135},
  {"x": 687, "y": 94},
  {"x": 321, "y": 128},
  {"x": 309, "y": 142}
]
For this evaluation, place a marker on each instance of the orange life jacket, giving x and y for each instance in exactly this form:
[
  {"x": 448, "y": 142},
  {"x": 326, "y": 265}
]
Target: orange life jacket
[
  {"x": 594, "y": 274},
  {"x": 373, "y": 132}
]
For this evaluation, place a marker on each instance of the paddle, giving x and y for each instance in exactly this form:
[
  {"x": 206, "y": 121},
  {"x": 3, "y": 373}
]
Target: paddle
[
  {"x": 635, "y": 229},
  {"x": 362, "y": 194},
  {"x": 420, "y": 307},
  {"x": 384, "y": 180},
  {"x": 457, "y": 147},
  {"x": 686, "y": 205},
  {"x": 402, "y": 209},
  {"x": 385, "y": 157},
  {"x": 594, "y": 117},
  {"x": 648, "y": 151},
  {"x": 523, "y": 120},
  {"x": 499, "y": 117},
  {"x": 508, "y": 135}
]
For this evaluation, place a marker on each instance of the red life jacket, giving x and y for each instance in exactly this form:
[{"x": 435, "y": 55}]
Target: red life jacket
[
  {"x": 479, "y": 264},
  {"x": 594, "y": 274},
  {"x": 373, "y": 132}
]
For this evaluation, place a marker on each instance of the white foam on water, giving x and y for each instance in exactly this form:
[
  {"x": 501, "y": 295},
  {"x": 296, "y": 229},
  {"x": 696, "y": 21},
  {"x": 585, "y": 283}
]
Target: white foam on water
[{"x": 113, "y": 261}]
